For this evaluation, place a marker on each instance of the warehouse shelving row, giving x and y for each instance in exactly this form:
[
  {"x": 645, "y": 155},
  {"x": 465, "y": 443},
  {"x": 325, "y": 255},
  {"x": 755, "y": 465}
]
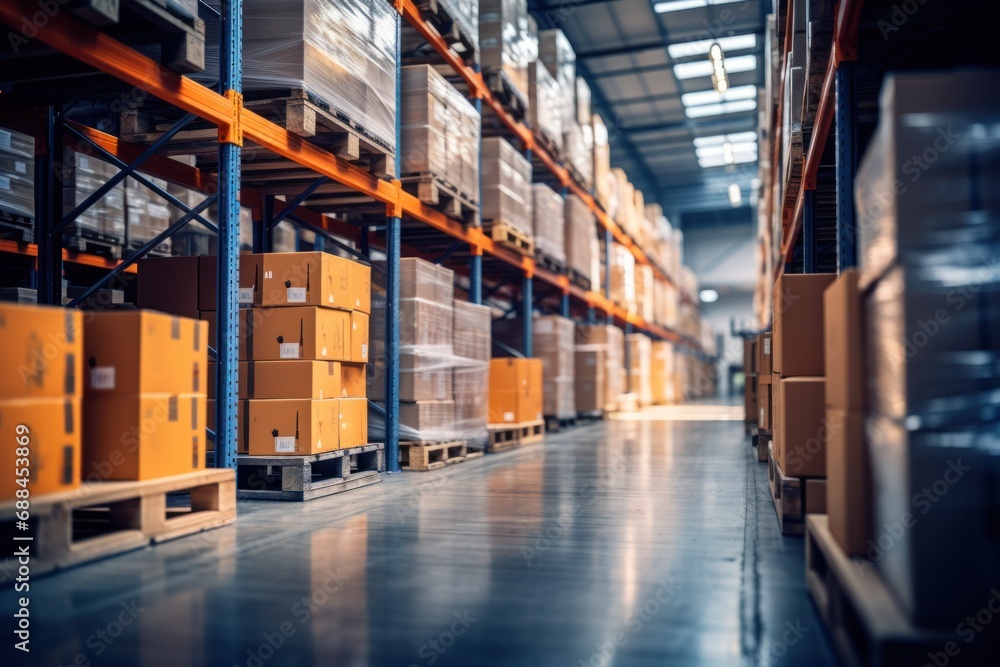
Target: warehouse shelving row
[{"x": 236, "y": 125}]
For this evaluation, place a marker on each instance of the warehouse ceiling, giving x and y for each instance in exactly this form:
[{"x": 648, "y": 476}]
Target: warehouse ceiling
[{"x": 647, "y": 64}]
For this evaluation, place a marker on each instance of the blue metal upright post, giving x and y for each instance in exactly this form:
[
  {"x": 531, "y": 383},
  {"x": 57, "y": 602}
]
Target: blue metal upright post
[
  {"x": 393, "y": 232},
  {"x": 227, "y": 339},
  {"x": 527, "y": 313},
  {"x": 809, "y": 232},
  {"x": 846, "y": 159},
  {"x": 564, "y": 305}
]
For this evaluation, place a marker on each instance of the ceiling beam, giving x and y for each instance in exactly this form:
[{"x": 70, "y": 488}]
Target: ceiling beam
[
  {"x": 624, "y": 50},
  {"x": 565, "y": 7},
  {"x": 738, "y": 119}
]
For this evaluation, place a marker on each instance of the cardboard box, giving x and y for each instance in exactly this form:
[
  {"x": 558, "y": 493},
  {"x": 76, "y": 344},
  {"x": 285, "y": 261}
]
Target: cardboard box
[
  {"x": 250, "y": 280},
  {"x": 775, "y": 416},
  {"x": 43, "y": 352},
  {"x": 844, "y": 343},
  {"x": 797, "y": 338},
  {"x": 140, "y": 437},
  {"x": 589, "y": 380},
  {"x": 359, "y": 337},
  {"x": 290, "y": 378},
  {"x": 427, "y": 420},
  {"x": 353, "y": 381},
  {"x": 802, "y": 426},
  {"x": 816, "y": 496},
  {"x": 52, "y": 432},
  {"x": 749, "y": 356},
  {"x": 763, "y": 363},
  {"x": 300, "y": 333},
  {"x": 421, "y": 378},
  {"x": 169, "y": 285},
  {"x": 315, "y": 279},
  {"x": 764, "y": 406},
  {"x": 848, "y": 473},
  {"x": 140, "y": 351},
  {"x": 293, "y": 427},
  {"x": 353, "y": 417},
  {"x": 242, "y": 425},
  {"x": 515, "y": 390},
  {"x": 750, "y": 399}
]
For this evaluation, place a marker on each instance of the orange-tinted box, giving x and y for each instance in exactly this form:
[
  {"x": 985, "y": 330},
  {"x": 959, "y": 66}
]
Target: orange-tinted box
[
  {"x": 359, "y": 337},
  {"x": 241, "y": 424},
  {"x": 250, "y": 281},
  {"x": 844, "y": 343},
  {"x": 42, "y": 352},
  {"x": 797, "y": 338},
  {"x": 764, "y": 366},
  {"x": 291, "y": 378},
  {"x": 300, "y": 333},
  {"x": 515, "y": 390},
  {"x": 291, "y": 427},
  {"x": 52, "y": 434},
  {"x": 353, "y": 422},
  {"x": 128, "y": 353},
  {"x": 315, "y": 279},
  {"x": 143, "y": 437},
  {"x": 802, "y": 426},
  {"x": 353, "y": 381}
]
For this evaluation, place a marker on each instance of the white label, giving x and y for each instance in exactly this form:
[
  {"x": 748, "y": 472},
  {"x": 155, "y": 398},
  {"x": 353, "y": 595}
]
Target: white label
[
  {"x": 20, "y": 167},
  {"x": 364, "y": 351},
  {"x": 319, "y": 444},
  {"x": 322, "y": 352},
  {"x": 508, "y": 416},
  {"x": 102, "y": 377},
  {"x": 296, "y": 295},
  {"x": 246, "y": 295},
  {"x": 284, "y": 444},
  {"x": 330, "y": 299},
  {"x": 767, "y": 346},
  {"x": 321, "y": 394},
  {"x": 761, "y": 420},
  {"x": 289, "y": 351}
]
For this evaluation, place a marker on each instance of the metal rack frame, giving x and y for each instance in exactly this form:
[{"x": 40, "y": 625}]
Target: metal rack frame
[{"x": 236, "y": 123}]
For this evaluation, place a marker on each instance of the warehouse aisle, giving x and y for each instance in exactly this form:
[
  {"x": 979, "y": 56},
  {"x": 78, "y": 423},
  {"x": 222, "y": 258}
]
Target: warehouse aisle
[{"x": 640, "y": 542}]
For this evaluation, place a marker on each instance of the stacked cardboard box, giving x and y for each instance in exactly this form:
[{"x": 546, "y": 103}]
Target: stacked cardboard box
[
  {"x": 589, "y": 374},
  {"x": 578, "y": 151},
  {"x": 553, "y": 343},
  {"x": 506, "y": 186},
  {"x": 765, "y": 380},
  {"x": 545, "y": 103},
  {"x": 40, "y": 391},
  {"x": 751, "y": 385},
  {"x": 580, "y": 239},
  {"x": 608, "y": 342},
  {"x": 932, "y": 325},
  {"x": 145, "y": 394},
  {"x": 508, "y": 41},
  {"x": 623, "y": 277},
  {"x": 602, "y": 164},
  {"x": 17, "y": 173},
  {"x": 146, "y": 215},
  {"x": 515, "y": 391},
  {"x": 471, "y": 383},
  {"x": 441, "y": 131},
  {"x": 799, "y": 431},
  {"x": 644, "y": 292},
  {"x": 662, "y": 373},
  {"x": 82, "y": 176},
  {"x": 665, "y": 306},
  {"x": 640, "y": 355},
  {"x": 549, "y": 213},
  {"x": 557, "y": 53}
]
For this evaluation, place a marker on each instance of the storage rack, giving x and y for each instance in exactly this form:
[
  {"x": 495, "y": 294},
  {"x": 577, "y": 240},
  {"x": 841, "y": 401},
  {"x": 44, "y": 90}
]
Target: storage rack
[{"x": 235, "y": 124}]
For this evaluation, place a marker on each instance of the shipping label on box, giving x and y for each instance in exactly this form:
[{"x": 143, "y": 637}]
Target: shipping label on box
[
  {"x": 322, "y": 334},
  {"x": 315, "y": 279},
  {"x": 293, "y": 427}
]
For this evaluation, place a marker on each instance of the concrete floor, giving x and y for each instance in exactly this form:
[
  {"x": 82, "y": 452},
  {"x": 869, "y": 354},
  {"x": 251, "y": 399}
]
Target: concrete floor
[{"x": 632, "y": 543}]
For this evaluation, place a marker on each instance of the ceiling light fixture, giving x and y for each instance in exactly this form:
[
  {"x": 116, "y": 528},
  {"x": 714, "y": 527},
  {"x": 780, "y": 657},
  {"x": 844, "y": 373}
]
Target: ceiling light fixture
[
  {"x": 727, "y": 153},
  {"x": 735, "y": 196},
  {"x": 714, "y": 97},
  {"x": 679, "y": 5},
  {"x": 719, "y": 109},
  {"x": 696, "y": 68},
  {"x": 708, "y": 296},
  {"x": 719, "y": 139},
  {"x": 718, "y": 59}
]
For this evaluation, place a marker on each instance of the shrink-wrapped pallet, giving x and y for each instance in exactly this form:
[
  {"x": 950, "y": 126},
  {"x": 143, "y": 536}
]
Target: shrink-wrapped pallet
[
  {"x": 609, "y": 342},
  {"x": 508, "y": 41},
  {"x": 545, "y": 100},
  {"x": 506, "y": 182},
  {"x": 549, "y": 222}
]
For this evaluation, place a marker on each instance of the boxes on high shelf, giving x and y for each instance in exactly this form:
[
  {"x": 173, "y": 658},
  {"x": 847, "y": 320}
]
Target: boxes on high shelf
[
  {"x": 41, "y": 385},
  {"x": 82, "y": 176},
  {"x": 552, "y": 342},
  {"x": 315, "y": 279},
  {"x": 545, "y": 104},
  {"x": 506, "y": 183},
  {"x": 17, "y": 173},
  {"x": 602, "y": 163},
  {"x": 555, "y": 50},
  {"x": 578, "y": 152},
  {"x": 145, "y": 394},
  {"x": 549, "y": 215},
  {"x": 609, "y": 340},
  {"x": 644, "y": 293},
  {"x": 589, "y": 379},
  {"x": 661, "y": 373},
  {"x": 146, "y": 214},
  {"x": 580, "y": 233},
  {"x": 441, "y": 131},
  {"x": 471, "y": 383},
  {"x": 583, "y": 108},
  {"x": 515, "y": 390},
  {"x": 508, "y": 41},
  {"x": 640, "y": 351},
  {"x": 623, "y": 277}
]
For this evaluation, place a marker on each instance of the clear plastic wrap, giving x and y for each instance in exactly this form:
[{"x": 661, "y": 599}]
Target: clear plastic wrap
[
  {"x": 82, "y": 176},
  {"x": 602, "y": 166},
  {"x": 344, "y": 53},
  {"x": 146, "y": 213},
  {"x": 623, "y": 277},
  {"x": 557, "y": 53},
  {"x": 506, "y": 186},
  {"x": 609, "y": 341},
  {"x": 471, "y": 386},
  {"x": 578, "y": 149},
  {"x": 465, "y": 13},
  {"x": 508, "y": 41},
  {"x": 584, "y": 115},
  {"x": 545, "y": 100},
  {"x": 17, "y": 172},
  {"x": 550, "y": 221},
  {"x": 553, "y": 342},
  {"x": 662, "y": 371},
  {"x": 580, "y": 233},
  {"x": 640, "y": 352},
  {"x": 440, "y": 131}
]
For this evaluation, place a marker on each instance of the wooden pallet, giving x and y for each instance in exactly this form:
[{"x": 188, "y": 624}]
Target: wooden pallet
[
  {"x": 442, "y": 196},
  {"x": 511, "y": 238},
  {"x": 93, "y": 246},
  {"x": 591, "y": 415},
  {"x": 548, "y": 262},
  {"x": 509, "y": 436},
  {"x": 548, "y": 144},
  {"x": 302, "y": 478},
  {"x": 760, "y": 441},
  {"x": 105, "y": 519},
  {"x": 863, "y": 619},
  {"x": 450, "y": 30},
  {"x": 511, "y": 98},
  {"x": 579, "y": 279},
  {"x": 16, "y": 231},
  {"x": 422, "y": 456},
  {"x": 555, "y": 424},
  {"x": 577, "y": 175},
  {"x": 789, "y": 495}
]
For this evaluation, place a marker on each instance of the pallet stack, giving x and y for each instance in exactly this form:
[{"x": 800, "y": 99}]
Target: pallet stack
[
  {"x": 507, "y": 198},
  {"x": 549, "y": 215},
  {"x": 515, "y": 412},
  {"x": 471, "y": 374},
  {"x": 553, "y": 344},
  {"x": 580, "y": 241},
  {"x": 606, "y": 344},
  {"x": 623, "y": 277},
  {"x": 508, "y": 41},
  {"x": 640, "y": 353},
  {"x": 17, "y": 172},
  {"x": 545, "y": 101}
]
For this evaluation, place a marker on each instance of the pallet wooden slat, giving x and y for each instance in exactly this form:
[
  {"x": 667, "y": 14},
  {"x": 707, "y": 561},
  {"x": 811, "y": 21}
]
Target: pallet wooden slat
[
  {"x": 514, "y": 239},
  {"x": 555, "y": 424},
  {"x": 423, "y": 456},
  {"x": 509, "y": 436},
  {"x": 761, "y": 441},
  {"x": 439, "y": 16},
  {"x": 443, "y": 196},
  {"x": 301, "y": 478},
  {"x": 789, "y": 496}
]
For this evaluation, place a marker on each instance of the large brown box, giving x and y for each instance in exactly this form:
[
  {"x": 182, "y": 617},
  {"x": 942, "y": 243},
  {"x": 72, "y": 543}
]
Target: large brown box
[
  {"x": 315, "y": 279},
  {"x": 849, "y": 485},
  {"x": 844, "y": 343},
  {"x": 294, "y": 378},
  {"x": 353, "y": 422},
  {"x": 140, "y": 351},
  {"x": 140, "y": 437},
  {"x": 43, "y": 352},
  {"x": 427, "y": 420},
  {"x": 588, "y": 375},
  {"x": 291, "y": 427},
  {"x": 359, "y": 338},
  {"x": 763, "y": 364},
  {"x": 797, "y": 338},
  {"x": 802, "y": 426},
  {"x": 764, "y": 406},
  {"x": 750, "y": 399},
  {"x": 52, "y": 430},
  {"x": 305, "y": 332},
  {"x": 817, "y": 496},
  {"x": 515, "y": 390},
  {"x": 242, "y": 425},
  {"x": 775, "y": 415}
]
